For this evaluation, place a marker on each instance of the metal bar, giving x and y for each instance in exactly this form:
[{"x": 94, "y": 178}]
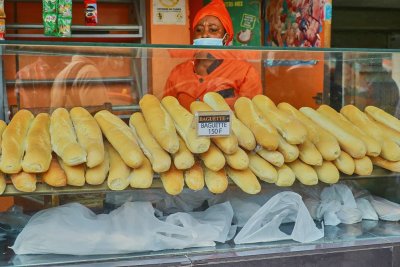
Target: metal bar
[
  {"x": 80, "y": 27},
  {"x": 126, "y": 107},
  {"x": 71, "y": 81},
  {"x": 77, "y": 35}
]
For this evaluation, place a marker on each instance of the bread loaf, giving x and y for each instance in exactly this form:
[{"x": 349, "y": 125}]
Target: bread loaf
[
  {"x": 265, "y": 134},
  {"x": 327, "y": 172},
  {"x": 213, "y": 159},
  {"x": 262, "y": 168},
  {"x": 55, "y": 175},
  {"x": 194, "y": 177},
  {"x": 24, "y": 182},
  {"x": 383, "y": 117},
  {"x": 183, "y": 158},
  {"x": 98, "y": 174},
  {"x": 172, "y": 180},
  {"x": 142, "y": 177},
  {"x": 291, "y": 129},
  {"x": 309, "y": 154},
  {"x": 118, "y": 175},
  {"x": 273, "y": 157},
  {"x": 245, "y": 137},
  {"x": 393, "y": 166},
  {"x": 303, "y": 172},
  {"x": 238, "y": 160},
  {"x": 13, "y": 142},
  {"x": 227, "y": 144},
  {"x": 286, "y": 176},
  {"x": 325, "y": 142},
  {"x": 389, "y": 133},
  {"x": 3, "y": 183},
  {"x": 120, "y": 137},
  {"x": 160, "y": 160},
  {"x": 184, "y": 124},
  {"x": 3, "y": 126},
  {"x": 363, "y": 166},
  {"x": 290, "y": 152},
  {"x": 216, "y": 182},
  {"x": 89, "y": 135},
  {"x": 348, "y": 142},
  {"x": 373, "y": 146},
  {"x": 345, "y": 163},
  {"x": 245, "y": 180},
  {"x": 37, "y": 156},
  {"x": 75, "y": 174},
  {"x": 159, "y": 123}
]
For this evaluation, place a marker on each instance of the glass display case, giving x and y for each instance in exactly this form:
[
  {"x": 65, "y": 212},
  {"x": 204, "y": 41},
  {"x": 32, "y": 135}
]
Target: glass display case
[{"x": 42, "y": 76}]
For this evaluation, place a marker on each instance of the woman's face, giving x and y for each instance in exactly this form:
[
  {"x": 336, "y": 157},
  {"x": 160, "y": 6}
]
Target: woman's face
[{"x": 209, "y": 27}]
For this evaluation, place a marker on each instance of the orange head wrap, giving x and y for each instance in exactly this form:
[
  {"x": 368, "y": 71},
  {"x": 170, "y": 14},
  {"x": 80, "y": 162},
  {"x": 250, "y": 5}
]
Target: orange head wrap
[{"x": 217, "y": 9}]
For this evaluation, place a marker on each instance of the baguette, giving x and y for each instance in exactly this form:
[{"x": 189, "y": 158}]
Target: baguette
[
  {"x": 227, "y": 144},
  {"x": 24, "y": 182},
  {"x": 216, "y": 182},
  {"x": 290, "y": 152},
  {"x": 265, "y": 134},
  {"x": 118, "y": 175},
  {"x": 173, "y": 180},
  {"x": 383, "y": 117},
  {"x": 142, "y": 177},
  {"x": 55, "y": 175},
  {"x": 3, "y": 126},
  {"x": 120, "y": 137},
  {"x": 291, "y": 129},
  {"x": 183, "y": 120},
  {"x": 393, "y": 166},
  {"x": 194, "y": 177},
  {"x": 37, "y": 156},
  {"x": 89, "y": 135},
  {"x": 245, "y": 180},
  {"x": 159, "y": 122},
  {"x": 348, "y": 142},
  {"x": 238, "y": 160},
  {"x": 303, "y": 172},
  {"x": 183, "y": 158},
  {"x": 213, "y": 159},
  {"x": 160, "y": 160},
  {"x": 273, "y": 157},
  {"x": 262, "y": 168},
  {"x": 363, "y": 166},
  {"x": 98, "y": 174},
  {"x": 390, "y": 150},
  {"x": 327, "y": 172},
  {"x": 286, "y": 176},
  {"x": 245, "y": 137},
  {"x": 309, "y": 154},
  {"x": 389, "y": 133},
  {"x": 3, "y": 183},
  {"x": 345, "y": 163},
  {"x": 325, "y": 142},
  {"x": 13, "y": 142},
  {"x": 75, "y": 174},
  {"x": 373, "y": 146}
]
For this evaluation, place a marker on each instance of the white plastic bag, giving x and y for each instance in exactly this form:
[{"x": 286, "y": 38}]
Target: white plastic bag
[
  {"x": 264, "y": 225},
  {"x": 368, "y": 212},
  {"x": 76, "y": 230},
  {"x": 386, "y": 210}
]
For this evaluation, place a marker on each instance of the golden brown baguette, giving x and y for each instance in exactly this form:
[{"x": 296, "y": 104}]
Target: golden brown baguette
[
  {"x": 227, "y": 144},
  {"x": 264, "y": 132},
  {"x": 389, "y": 133},
  {"x": 142, "y": 177},
  {"x": 55, "y": 175},
  {"x": 303, "y": 172},
  {"x": 89, "y": 135},
  {"x": 238, "y": 160},
  {"x": 173, "y": 180},
  {"x": 309, "y": 154},
  {"x": 160, "y": 160},
  {"x": 327, "y": 172},
  {"x": 286, "y": 176},
  {"x": 3, "y": 183},
  {"x": 290, "y": 152},
  {"x": 75, "y": 174},
  {"x": 120, "y": 137},
  {"x": 390, "y": 150},
  {"x": 245, "y": 137},
  {"x": 183, "y": 158},
  {"x": 13, "y": 142},
  {"x": 348, "y": 142},
  {"x": 373, "y": 146},
  {"x": 273, "y": 157},
  {"x": 393, "y": 166},
  {"x": 325, "y": 142},
  {"x": 383, "y": 117},
  {"x": 37, "y": 156},
  {"x": 345, "y": 163},
  {"x": 194, "y": 177},
  {"x": 98, "y": 174},
  {"x": 216, "y": 182},
  {"x": 159, "y": 123},
  {"x": 3, "y": 126},
  {"x": 213, "y": 159},
  {"x": 245, "y": 180},
  {"x": 262, "y": 168},
  {"x": 290, "y": 128},
  {"x": 363, "y": 166},
  {"x": 118, "y": 175},
  {"x": 184, "y": 125},
  {"x": 24, "y": 182}
]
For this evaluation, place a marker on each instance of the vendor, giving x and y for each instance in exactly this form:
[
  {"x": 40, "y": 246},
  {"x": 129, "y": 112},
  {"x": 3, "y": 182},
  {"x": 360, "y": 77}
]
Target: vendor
[{"x": 211, "y": 71}]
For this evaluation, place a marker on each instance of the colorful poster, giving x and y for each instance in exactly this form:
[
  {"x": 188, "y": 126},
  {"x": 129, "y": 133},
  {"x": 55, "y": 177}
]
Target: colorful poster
[{"x": 169, "y": 12}]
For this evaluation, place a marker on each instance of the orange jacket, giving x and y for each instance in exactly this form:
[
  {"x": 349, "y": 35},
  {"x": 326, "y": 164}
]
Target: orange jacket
[{"x": 232, "y": 79}]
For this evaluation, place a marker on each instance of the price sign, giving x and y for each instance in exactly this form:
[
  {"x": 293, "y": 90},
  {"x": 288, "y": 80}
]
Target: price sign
[{"x": 213, "y": 123}]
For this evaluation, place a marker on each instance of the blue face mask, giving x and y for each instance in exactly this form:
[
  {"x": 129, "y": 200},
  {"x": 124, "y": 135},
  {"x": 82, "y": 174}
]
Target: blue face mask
[{"x": 209, "y": 41}]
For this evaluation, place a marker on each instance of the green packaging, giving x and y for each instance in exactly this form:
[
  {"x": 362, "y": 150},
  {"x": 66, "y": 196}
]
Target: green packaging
[
  {"x": 64, "y": 27},
  {"x": 49, "y": 6},
  {"x": 50, "y": 24},
  {"x": 65, "y": 8}
]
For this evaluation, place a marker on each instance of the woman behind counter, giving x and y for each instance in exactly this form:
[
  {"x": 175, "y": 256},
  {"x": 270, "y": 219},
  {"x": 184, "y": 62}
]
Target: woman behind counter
[{"x": 210, "y": 71}]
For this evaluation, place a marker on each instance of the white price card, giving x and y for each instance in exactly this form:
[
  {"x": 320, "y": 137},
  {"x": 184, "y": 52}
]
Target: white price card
[{"x": 213, "y": 123}]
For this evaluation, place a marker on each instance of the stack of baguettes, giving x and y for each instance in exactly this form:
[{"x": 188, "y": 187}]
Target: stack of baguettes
[{"x": 272, "y": 143}]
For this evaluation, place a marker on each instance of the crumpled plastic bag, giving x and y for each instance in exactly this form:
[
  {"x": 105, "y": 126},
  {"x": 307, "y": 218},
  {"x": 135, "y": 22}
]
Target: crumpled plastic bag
[
  {"x": 386, "y": 210},
  {"x": 368, "y": 212},
  {"x": 74, "y": 229},
  {"x": 284, "y": 207}
]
